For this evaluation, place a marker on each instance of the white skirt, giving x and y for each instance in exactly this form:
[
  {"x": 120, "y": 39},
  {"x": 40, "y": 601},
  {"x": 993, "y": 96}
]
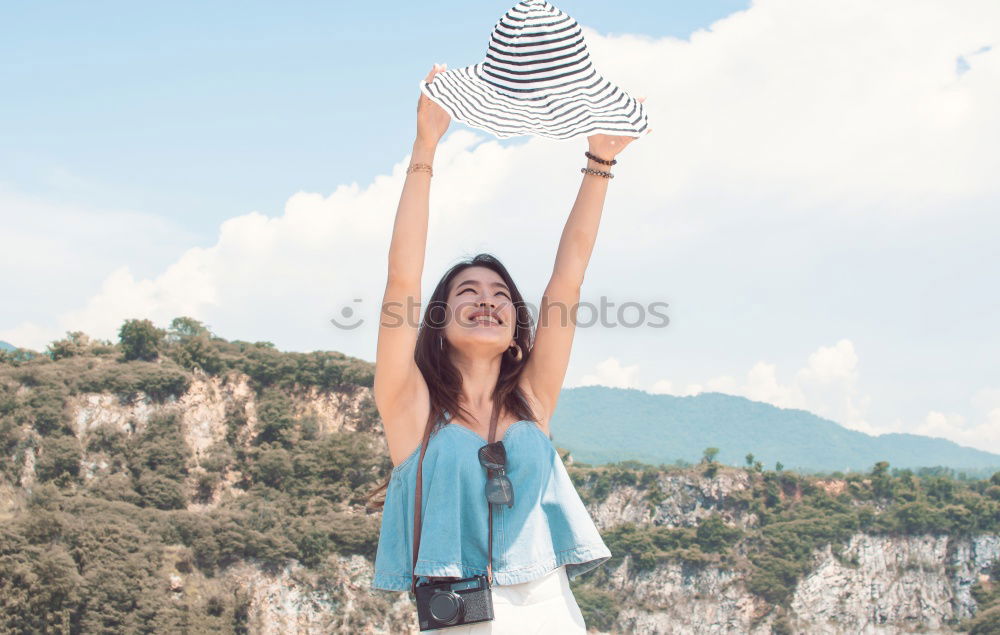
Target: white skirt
[{"x": 545, "y": 605}]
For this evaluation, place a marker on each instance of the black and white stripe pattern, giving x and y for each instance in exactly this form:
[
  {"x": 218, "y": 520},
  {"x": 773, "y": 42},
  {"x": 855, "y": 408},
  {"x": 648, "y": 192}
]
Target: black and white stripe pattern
[{"x": 537, "y": 78}]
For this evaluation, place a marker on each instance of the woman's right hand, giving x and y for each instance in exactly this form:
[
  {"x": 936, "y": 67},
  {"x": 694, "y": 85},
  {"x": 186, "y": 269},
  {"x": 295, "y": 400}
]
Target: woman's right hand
[{"x": 432, "y": 119}]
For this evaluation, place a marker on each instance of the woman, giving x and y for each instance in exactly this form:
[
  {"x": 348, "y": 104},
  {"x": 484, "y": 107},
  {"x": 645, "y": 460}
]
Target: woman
[{"x": 474, "y": 354}]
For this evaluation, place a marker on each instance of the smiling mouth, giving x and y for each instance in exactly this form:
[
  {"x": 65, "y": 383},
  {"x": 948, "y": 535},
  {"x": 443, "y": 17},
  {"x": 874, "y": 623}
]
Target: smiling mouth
[{"x": 485, "y": 320}]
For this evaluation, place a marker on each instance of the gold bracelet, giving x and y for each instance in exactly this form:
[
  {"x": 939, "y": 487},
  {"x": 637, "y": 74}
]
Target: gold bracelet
[
  {"x": 420, "y": 167},
  {"x": 606, "y": 175}
]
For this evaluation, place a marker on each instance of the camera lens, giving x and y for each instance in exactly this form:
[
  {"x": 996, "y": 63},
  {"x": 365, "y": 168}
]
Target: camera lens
[{"x": 446, "y": 607}]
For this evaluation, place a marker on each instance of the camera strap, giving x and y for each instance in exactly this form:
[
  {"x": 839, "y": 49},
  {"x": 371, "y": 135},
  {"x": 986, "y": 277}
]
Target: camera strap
[{"x": 416, "y": 506}]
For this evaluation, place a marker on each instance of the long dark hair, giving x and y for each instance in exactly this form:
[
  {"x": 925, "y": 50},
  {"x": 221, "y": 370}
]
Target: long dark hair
[{"x": 444, "y": 380}]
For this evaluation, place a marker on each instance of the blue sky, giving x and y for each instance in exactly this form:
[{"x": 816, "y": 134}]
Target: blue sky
[
  {"x": 202, "y": 111},
  {"x": 816, "y": 204}
]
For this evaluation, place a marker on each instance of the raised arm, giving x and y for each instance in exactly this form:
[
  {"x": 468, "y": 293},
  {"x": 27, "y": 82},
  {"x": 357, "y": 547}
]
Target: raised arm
[
  {"x": 399, "y": 388},
  {"x": 546, "y": 367}
]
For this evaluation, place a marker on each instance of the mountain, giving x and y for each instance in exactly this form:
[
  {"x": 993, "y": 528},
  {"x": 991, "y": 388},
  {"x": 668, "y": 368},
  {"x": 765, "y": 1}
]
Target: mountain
[
  {"x": 4, "y": 346},
  {"x": 603, "y": 425}
]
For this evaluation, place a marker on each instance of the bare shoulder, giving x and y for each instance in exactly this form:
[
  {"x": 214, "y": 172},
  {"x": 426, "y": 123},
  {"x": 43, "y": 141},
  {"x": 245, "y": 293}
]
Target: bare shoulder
[
  {"x": 541, "y": 414},
  {"x": 404, "y": 422}
]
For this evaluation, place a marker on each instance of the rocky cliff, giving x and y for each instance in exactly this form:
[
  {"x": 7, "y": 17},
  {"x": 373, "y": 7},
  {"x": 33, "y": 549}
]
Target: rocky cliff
[{"x": 873, "y": 584}]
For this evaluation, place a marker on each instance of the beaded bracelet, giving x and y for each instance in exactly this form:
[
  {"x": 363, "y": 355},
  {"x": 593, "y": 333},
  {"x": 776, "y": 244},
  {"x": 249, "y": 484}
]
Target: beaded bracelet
[
  {"x": 592, "y": 157},
  {"x": 420, "y": 167},
  {"x": 606, "y": 175}
]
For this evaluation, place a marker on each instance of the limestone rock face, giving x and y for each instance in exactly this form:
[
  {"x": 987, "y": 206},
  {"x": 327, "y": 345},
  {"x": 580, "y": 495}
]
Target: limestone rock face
[
  {"x": 675, "y": 598},
  {"x": 203, "y": 411},
  {"x": 686, "y": 500},
  {"x": 335, "y": 599},
  {"x": 898, "y": 585}
]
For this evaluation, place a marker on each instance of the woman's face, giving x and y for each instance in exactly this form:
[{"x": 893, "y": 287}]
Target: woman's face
[{"x": 481, "y": 315}]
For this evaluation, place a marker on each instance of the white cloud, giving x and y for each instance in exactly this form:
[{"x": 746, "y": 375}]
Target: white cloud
[
  {"x": 939, "y": 424},
  {"x": 822, "y": 100},
  {"x": 662, "y": 387},
  {"x": 955, "y": 427},
  {"x": 56, "y": 254},
  {"x": 666, "y": 387},
  {"x": 831, "y": 380},
  {"x": 610, "y": 372},
  {"x": 827, "y": 386},
  {"x": 282, "y": 278}
]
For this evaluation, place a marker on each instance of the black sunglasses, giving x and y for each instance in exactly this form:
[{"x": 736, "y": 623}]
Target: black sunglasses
[{"x": 499, "y": 489}]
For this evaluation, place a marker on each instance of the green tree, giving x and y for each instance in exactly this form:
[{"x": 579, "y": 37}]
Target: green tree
[
  {"x": 140, "y": 339},
  {"x": 710, "y": 454},
  {"x": 599, "y": 607},
  {"x": 714, "y": 536},
  {"x": 185, "y": 327},
  {"x": 59, "y": 460},
  {"x": 45, "y": 404},
  {"x": 54, "y": 593},
  {"x": 192, "y": 345},
  {"x": 881, "y": 480},
  {"x": 76, "y": 343},
  {"x": 160, "y": 447},
  {"x": 160, "y": 492},
  {"x": 276, "y": 421},
  {"x": 274, "y": 467}
]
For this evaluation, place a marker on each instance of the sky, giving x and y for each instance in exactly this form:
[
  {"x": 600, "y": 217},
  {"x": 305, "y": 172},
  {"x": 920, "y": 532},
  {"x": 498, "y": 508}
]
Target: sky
[{"x": 816, "y": 206}]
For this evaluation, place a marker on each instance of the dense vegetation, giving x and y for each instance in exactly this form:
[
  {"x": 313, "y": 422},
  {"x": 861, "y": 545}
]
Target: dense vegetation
[
  {"x": 115, "y": 511},
  {"x": 81, "y": 554},
  {"x": 794, "y": 515}
]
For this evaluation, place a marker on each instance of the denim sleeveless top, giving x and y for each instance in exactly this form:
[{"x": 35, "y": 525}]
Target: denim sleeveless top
[{"x": 547, "y": 527}]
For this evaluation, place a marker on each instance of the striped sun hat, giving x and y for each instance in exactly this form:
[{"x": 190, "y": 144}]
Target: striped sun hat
[{"x": 537, "y": 79}]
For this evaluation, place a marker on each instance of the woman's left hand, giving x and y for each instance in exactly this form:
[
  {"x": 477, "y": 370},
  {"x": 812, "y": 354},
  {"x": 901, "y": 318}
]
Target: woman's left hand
[{"x": 608, "y": 146}]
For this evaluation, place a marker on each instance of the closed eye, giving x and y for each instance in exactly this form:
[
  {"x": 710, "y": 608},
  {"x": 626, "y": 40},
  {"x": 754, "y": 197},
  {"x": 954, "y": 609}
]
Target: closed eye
[{"x": 504, "y": 294}]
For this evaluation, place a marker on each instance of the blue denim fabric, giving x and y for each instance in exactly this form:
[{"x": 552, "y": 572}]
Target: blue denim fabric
[{"x": 547, "y": 527}]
